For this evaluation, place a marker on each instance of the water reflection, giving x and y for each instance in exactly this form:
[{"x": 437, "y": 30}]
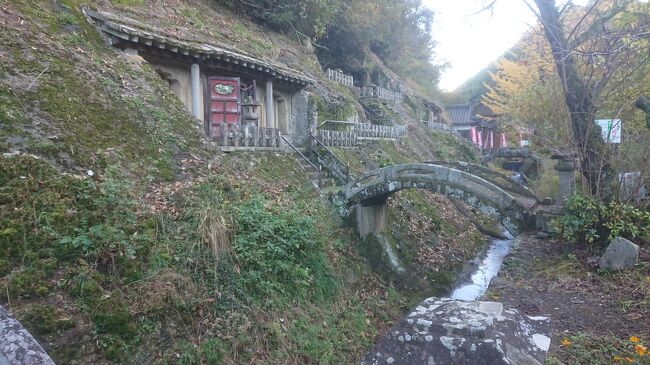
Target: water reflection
[{"x": 488, "y": 268}]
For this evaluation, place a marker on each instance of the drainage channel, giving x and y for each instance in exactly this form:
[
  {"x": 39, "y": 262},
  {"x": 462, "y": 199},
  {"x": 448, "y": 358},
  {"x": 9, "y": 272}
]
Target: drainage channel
[{"x": 488, "y": 268}]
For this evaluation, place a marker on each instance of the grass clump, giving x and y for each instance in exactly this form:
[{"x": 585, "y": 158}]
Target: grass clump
[
  {"x": 85, "y": 230},
  {"x": 583, "y": 348},
  {"x": 40, "y": 318},
  {"x": 278, "y": 252},
  {"x": 324, "y": 341}
]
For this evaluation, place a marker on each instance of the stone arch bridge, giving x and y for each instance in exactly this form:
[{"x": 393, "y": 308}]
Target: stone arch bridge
[
  {"x": 507, "y": 152},
  {"x": 480, "y": 187}
]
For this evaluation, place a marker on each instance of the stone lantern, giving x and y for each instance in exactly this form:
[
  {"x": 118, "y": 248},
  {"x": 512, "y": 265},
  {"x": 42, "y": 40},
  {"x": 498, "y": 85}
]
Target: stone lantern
[{"x": 250, "y": 109}]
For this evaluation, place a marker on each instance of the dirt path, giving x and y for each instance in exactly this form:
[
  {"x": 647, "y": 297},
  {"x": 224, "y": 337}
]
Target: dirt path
[{"x": 593, "y": 315}]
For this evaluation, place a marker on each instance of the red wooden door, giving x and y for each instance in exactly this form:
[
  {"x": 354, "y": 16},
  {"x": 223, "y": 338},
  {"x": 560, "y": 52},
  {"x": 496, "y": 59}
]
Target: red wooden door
[{"x": 224, "y": 102}]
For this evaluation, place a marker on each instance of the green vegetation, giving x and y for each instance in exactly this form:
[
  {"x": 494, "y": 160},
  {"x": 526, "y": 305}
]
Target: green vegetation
[
  {"x": 334, "y": 111},
  {"x": 126, "y": 238},
  {"x": 346, "y": 32},
  {"x": 124, "y": 267},
  {"x": 588, "y": 220},
  {"x": 278, "y": 250},
  {"x": 586, "y": 349}
]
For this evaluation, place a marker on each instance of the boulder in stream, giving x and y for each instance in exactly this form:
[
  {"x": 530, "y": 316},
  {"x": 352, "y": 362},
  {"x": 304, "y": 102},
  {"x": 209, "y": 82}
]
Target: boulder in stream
[{"x": 444, "y": 331}]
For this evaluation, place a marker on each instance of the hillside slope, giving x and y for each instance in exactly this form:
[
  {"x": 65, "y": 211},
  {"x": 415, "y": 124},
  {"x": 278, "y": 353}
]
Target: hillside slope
[{"x": 126, "y": 237}]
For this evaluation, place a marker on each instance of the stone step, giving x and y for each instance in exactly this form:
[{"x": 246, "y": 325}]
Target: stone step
[
  {"x": 319, "y": 179},
  {"x": 327, "y": 182},
  {"x": 301, "y": 161},
  {"x": 313, "y": 175},
  {"x": 306, "y": 165}
]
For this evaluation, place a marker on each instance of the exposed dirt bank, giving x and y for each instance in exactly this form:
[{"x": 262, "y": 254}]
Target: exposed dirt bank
[{"x": 593, "y": 314}]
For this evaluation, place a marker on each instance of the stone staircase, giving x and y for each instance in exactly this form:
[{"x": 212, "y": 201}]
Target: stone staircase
[
  {"x": 318, "y": 177},
  {"x": 376, "y": 112},
  {"x": 323, "y": 168}
]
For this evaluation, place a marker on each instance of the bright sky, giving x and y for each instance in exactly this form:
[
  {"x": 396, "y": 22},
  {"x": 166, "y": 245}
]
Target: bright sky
[{"x": 470, "y": 41}]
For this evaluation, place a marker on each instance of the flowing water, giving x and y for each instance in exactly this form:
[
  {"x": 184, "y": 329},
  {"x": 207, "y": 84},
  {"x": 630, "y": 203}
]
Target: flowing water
[
  {"x": 393, "y": 259},
  {"x": 478, "y": 283}
]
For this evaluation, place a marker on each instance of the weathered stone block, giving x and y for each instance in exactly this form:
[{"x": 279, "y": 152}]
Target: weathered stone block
[
  {"x": 370, "y": 219},
  {"x": 447, "y": 331},
  {"x": 620, "y": 254},
  {"x": 17, "y": 346}
]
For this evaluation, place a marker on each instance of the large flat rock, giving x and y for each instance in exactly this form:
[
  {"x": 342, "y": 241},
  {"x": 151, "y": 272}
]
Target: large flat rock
[{"x": 447, "y": 331}]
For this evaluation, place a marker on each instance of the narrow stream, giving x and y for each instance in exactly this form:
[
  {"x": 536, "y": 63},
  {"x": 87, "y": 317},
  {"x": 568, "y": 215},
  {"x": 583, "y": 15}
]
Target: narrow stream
[
  {"x": 478, "y": 283},
  {"x": 393, "y": 259}
]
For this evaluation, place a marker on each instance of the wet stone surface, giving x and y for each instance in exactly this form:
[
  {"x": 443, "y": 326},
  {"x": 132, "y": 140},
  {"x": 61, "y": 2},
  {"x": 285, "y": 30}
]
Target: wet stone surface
[
  {"x": 448, "y": 331},
  {"x": 487, "y": 269}
]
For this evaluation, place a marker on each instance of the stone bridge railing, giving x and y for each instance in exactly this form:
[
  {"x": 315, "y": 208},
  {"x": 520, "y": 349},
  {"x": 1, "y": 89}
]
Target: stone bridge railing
[
  {"x": 17, "y": 346},
  {"x": 380, "y": 183},
  {"x": 497, "y": 178},
  {"x": 368, "y": 193}
]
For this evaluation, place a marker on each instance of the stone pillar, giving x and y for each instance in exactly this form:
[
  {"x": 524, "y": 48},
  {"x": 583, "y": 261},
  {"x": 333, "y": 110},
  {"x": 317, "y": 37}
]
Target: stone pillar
[
  {"x": 370, "y": 219},
  {"x": 270, "y": 113},
  {"x": 299, "y": 122},
  {"x": 365, "y": 79},
  {"x": 566, "y": 173},
  {"x": 196, "y": 90},
  {"x": 312, "y": 117}
]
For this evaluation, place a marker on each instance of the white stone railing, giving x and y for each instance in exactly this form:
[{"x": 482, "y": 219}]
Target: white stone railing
[
  {"x": 437, "y": 126},
  {"x": 380, "y": 93},
  {"x": 370, "y": 131},
  {"x": 336, "y": 138},
  {"x": 235, "y": 135},
  {"x": 340, "y": 77}
]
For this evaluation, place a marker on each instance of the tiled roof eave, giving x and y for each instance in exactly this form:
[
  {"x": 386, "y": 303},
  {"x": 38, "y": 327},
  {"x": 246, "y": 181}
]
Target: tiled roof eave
[{"x": 193, "y": 49}]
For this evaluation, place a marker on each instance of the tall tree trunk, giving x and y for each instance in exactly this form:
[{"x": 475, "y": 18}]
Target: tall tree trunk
[{"x": 579, "y": 100}]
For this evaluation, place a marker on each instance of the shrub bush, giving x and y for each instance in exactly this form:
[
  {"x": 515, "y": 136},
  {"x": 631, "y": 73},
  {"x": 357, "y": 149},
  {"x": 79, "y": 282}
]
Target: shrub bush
[
  {"x": 278, "y": 251},
  {"x": 588, "y": 220}
]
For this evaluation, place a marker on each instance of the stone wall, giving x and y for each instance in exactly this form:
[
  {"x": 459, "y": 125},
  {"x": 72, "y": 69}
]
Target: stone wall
[{"x": 178, "y": 76}]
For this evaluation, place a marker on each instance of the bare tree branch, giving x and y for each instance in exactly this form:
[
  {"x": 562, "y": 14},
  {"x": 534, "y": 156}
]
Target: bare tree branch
[{"x": 584, "y": 16}]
